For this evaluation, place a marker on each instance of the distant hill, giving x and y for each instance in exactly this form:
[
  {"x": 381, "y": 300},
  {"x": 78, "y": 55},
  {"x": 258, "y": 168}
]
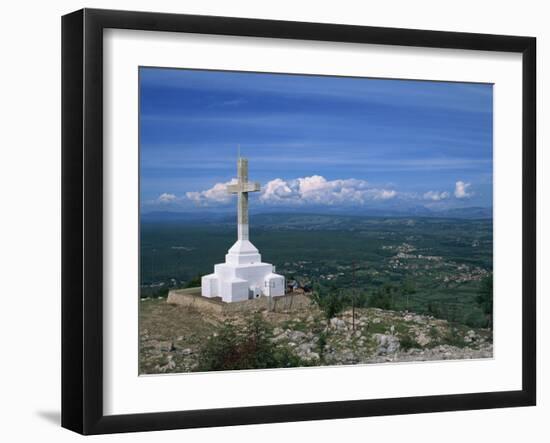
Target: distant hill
[
  {"x": 471, "y": 213},
  {"x": 185, "y": 217},
  {"x": 465, "y": 213}
]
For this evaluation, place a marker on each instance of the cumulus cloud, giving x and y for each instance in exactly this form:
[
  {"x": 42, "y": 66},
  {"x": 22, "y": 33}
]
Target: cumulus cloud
[
  {"x": 277, "y": 190},
  {"x": 383, "y": 194},
  {"x": 461, "y": 190},
  {"x": 314, "y": 189},
  {"x": 216, "y": 194},
  {"x": 167, "y": 198},
  {"x": 317, "y": 189},
  {"x": 436, "y": 195}
]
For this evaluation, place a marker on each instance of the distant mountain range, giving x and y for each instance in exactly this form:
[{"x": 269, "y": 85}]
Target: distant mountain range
[{"x": 470, "y": 213}]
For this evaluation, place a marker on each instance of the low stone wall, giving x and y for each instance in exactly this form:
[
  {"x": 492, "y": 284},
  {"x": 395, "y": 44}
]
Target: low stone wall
[
  {"x": 192, "y": 298},
  {"x": 283, "y": 303}
]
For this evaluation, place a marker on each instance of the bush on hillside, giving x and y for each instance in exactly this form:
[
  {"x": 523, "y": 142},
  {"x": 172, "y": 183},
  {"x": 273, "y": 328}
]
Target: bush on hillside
[
  {"x": 329, "y": 300},
  {"x": 245, "y": 346}
]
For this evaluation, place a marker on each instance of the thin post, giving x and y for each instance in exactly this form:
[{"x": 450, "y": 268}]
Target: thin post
[{"x": 354, "y": 289}]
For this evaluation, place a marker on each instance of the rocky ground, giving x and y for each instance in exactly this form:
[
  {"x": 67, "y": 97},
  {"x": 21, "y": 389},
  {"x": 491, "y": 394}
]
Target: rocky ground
[{"x": 171, "y": 336}]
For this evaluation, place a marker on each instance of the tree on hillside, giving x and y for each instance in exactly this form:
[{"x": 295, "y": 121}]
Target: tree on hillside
[
  {"x": 329, "y": 300},
  {"x": 485, "y": 299},
  {"x": 383, "y": 297},
  {"x": 407, "y": 289},
  {"x": 195, "y": 282},
  {"x": 245, "y": 346}
]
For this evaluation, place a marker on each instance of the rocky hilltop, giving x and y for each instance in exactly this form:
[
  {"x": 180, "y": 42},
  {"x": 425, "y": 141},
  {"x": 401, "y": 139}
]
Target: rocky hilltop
[{"x": 173, "y": 337}]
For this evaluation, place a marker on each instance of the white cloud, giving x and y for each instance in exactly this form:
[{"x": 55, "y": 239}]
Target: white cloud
[
  {"x": 317, "y": 189},
  {"x": 383, "y": 194},
  {"x": 166, "y": 198},
  {"x": 436, "y": 195},
  {"x": 461, "y": 190},
  {"x": 277, "y": 190},
  {"x": 216, "y": 194},
  {"x": 314, "y": 189}
]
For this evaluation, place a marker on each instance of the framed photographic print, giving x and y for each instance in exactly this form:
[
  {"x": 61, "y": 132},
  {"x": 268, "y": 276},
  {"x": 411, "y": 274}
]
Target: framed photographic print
[{"x": 269, "y": 221}]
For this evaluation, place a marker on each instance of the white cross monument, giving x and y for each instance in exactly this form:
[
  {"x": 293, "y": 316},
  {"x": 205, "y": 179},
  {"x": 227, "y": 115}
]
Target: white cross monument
[{"x": 243, "y": 276}]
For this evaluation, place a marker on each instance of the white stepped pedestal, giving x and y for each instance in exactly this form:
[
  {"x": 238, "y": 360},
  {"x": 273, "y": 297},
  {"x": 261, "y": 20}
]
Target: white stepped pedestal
[{"x": 243, "y": 275}]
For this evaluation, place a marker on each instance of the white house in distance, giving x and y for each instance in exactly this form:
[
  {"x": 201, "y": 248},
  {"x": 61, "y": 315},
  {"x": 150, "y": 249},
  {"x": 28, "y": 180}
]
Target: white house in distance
[{"x": 243, "y": 276}]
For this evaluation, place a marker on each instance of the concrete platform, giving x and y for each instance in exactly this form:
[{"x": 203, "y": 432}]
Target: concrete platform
[{"x": 192, "y": 298}]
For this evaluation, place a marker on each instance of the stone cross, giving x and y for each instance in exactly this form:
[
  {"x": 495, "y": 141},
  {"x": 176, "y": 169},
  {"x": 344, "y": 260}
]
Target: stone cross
[{"x": 242, "y": 188}]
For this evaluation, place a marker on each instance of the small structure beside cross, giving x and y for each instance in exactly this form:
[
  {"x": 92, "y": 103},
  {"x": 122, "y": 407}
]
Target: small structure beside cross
[{"x": 243, "y": 276}]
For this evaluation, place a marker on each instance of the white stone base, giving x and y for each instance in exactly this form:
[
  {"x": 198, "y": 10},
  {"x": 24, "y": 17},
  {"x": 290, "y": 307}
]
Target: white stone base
[{"x": 243, "y": 276}]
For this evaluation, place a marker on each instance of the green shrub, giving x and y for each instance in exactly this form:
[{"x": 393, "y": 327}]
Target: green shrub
[
  {"x": 247, "y": 346},
  {"x": 321, "y": 343},
  {"x": 453, "y": 338},
  {"x": 434, "y": 334},
  {"x": 383, "y": 297},
  {"x": 475, "y": 319},
  {"x": 376, "y": 328},
  {"x": 195, "y": 282},
  {"x": 149, "y": 292},
  {"x": 329, "y": 300},
  {"x": 407, "y": 342},
  {"x": 485, "y": 299}
]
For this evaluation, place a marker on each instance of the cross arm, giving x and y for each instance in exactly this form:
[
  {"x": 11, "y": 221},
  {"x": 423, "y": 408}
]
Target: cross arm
[{"x": 243, "y": 187}]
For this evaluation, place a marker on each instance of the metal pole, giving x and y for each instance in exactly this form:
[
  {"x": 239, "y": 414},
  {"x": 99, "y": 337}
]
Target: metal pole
[{"x": 353, "y": 299}]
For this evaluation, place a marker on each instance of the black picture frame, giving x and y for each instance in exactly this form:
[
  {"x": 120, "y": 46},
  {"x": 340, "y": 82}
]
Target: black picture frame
[{"x": 82, "y": 215}]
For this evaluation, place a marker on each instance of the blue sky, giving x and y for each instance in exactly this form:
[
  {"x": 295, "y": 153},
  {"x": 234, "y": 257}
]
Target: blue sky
[{"x": 313, "y": 141}]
